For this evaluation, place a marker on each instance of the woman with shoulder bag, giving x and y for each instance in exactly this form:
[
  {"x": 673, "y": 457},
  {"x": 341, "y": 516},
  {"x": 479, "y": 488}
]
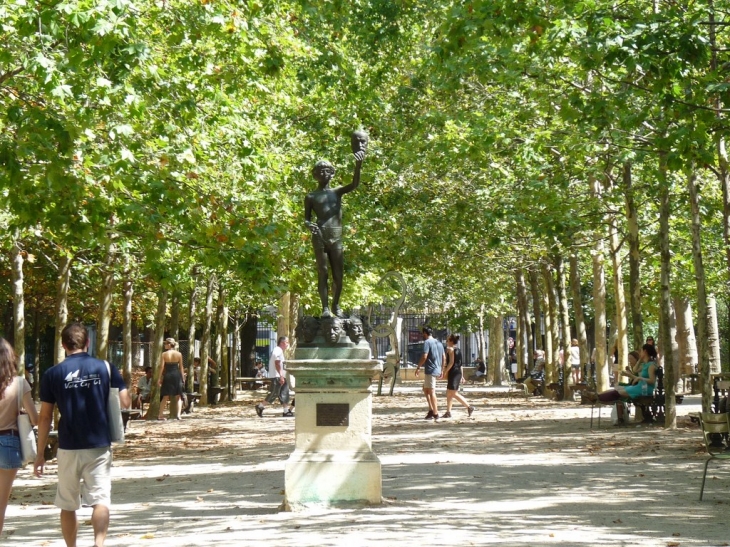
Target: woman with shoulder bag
[{"x": 10, "y": 458}]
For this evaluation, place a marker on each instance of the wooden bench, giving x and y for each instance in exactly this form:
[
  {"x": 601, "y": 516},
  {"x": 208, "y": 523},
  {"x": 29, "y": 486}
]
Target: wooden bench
[{"x": 250, "y": 382}]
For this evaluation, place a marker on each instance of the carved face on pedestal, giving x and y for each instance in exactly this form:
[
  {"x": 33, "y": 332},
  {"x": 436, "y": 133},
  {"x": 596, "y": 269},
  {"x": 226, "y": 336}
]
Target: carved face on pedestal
[
  {"x": 354, "y": 330},
  {"x": 332, "y": 329},
  {"x": 307, "y": 329}
]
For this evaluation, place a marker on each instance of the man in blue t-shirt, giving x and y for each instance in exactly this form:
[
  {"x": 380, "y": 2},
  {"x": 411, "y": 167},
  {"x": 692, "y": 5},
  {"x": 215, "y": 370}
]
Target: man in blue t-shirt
[
  {"x": 79, "y": 386},
  {"x": 433, "y": 360}
]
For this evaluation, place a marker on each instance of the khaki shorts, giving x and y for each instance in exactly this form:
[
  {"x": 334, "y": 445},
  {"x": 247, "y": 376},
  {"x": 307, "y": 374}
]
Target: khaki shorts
[
  {"x": 84, "y": 476},
  {"x": 429, "y": 381}
]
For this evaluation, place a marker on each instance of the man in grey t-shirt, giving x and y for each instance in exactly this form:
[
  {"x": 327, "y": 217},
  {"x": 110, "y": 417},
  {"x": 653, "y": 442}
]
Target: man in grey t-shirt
[{"x": 433, "y": 360}]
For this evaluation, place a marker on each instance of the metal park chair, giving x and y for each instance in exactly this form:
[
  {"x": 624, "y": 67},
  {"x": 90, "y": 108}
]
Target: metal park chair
[{"x": 713, "y": 424}]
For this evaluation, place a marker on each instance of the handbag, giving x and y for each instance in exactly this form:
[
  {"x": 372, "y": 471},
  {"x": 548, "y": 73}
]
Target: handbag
[
  {"x": 28, "y": 447},
  {"x": 114, "y": 411}
]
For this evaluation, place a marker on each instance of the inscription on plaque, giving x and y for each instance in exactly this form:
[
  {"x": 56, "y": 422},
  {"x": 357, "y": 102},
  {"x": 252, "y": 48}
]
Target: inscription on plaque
[{"x": 333, "y": 414}]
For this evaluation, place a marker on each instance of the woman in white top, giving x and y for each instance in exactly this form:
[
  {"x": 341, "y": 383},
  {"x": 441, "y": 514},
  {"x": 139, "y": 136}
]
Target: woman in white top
[
  {"x": 575, "y": 361},
  {"x": 10, "y": 459}
]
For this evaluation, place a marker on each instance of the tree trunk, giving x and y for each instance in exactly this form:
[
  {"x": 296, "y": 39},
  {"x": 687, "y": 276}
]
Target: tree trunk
[
  {"x": 106, "y": 297},
  {"x": 686, "y": 341},
  {"x": 622, "y": 341},
  {"x": 550, "y": 363},
  {"x": 637, "y": 321},
  {"x": 565, "y": 324},
  {"x": 224, "y": 367},
  {"x": 18, "y": 307},
  {"x": 294, "y": 320},
  {"x": 248, "y": 343},
  {"x": 699, "y": 271},
  {"x": 218, "y": 342},
  {"x": 236, "y": 351},
  {"x": 599, "y": 312},
  {"x": 536, "y": 313},
  {"x": 36, "y": 355},
  {"x": 205, "y": 341},
  {"x": 128, "y": 289},
  {"x": 496, "y": 345},
  {"x": 713, "y": 336},
  {"x": 192, "y": 312},
  {"x": 580, "y": 321},
  {"x": 175, "y": 315},
  {"x": 156, "y": 356},
  {"x": 554, "y": 331},
  {"x": 64, "y": 278},
  {"x": 481, "y": 338},
  {"x": 524, "y": 314},
  {"x": 665, "y": 301}
]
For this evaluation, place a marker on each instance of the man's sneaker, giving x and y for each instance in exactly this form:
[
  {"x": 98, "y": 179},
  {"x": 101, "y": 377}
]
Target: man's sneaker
[
  {"x": 260, "y": 410},
  {"x": 447, "y": 415},
  {"x": 470, "y": 410},
  {"x": 429, "y": 416},
  {"x": 288, "y": 414},
  {"x": 435, "y": 417}
]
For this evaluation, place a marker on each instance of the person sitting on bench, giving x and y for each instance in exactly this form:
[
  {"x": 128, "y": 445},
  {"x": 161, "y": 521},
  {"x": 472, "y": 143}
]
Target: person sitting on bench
[
  {"x": 144, "y": 385},
  {"x": 536, "y": 375},
  {"x": 642, "y": 384}
]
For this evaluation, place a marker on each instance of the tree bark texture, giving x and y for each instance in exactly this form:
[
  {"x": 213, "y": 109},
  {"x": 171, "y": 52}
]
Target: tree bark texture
[
  {"x": 205, "y": 341},
  {"x": 524, "y": 313},
  {"x": 18, "y": 307},
  {"x": 192, "y": 313},
  {"x": 622, "y": 341},
  {"x": 128, "y": 290},
  {"x": 599, "y": 310},
  {"x": 637, "y": 320},
  {"x": 554, "y": 332},
  {"x": 62, "y": 283},
  {"x": 496, "y": 344},
  {"x": 699, "y": 272},
  {"x": 248, "y": 343},
  {"x": 106, "y": 298},
  {"x": 536, "y": 312},
  {"x": 564, "y": 324},
  {"x": 175, "y": 315},
  {"x": 580, "y": 321},
  {"x": 224, "y": 366},
  {"x": 713, "y": 336},
  {"x": 665, "y": 300},
  {"x": 156, "y": 355},
  {"x": 686, "y": 341}
]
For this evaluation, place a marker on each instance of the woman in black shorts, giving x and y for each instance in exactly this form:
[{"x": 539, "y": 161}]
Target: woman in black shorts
[{"x": 453, "y": 375}]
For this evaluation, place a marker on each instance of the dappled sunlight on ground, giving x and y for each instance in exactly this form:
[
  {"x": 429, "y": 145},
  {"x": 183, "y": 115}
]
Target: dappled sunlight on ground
[{"x": 519, "y": 473}]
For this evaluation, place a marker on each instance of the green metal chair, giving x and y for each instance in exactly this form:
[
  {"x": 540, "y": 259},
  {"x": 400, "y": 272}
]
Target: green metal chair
[{"x": 712, "y": 424}]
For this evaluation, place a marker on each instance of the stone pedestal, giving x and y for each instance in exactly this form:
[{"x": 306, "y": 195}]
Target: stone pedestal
[{"x": 333, "y": 461}]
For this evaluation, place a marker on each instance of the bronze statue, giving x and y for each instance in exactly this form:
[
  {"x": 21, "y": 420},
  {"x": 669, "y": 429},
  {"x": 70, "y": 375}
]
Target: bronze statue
[
  {"x": 354, "y": 329},
  {"x": 326, "y": 203},
  {"x": 332, "y": 329}
]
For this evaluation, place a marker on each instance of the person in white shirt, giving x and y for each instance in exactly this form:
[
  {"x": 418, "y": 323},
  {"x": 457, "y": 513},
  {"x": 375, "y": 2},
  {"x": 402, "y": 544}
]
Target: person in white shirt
[
  {"x": 144, "y": 385},
  {"x": 278, "y": 387}
]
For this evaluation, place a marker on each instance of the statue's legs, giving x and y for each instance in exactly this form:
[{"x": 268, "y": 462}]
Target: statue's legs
[
  {"x": 322, "y": 272},
  {"x": 337, "y": 264}
]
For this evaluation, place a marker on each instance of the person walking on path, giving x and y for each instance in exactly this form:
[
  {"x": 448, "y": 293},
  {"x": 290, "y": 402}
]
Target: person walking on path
[
  {"x": 171, "y": 382},
  {"x": 433, "y": 360},
  {"x": 79, "y": 385},
  {"x": 452, "y": 372},
  {"x": 278, "y": 387},
  {"x": 10, "y": 458}
]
